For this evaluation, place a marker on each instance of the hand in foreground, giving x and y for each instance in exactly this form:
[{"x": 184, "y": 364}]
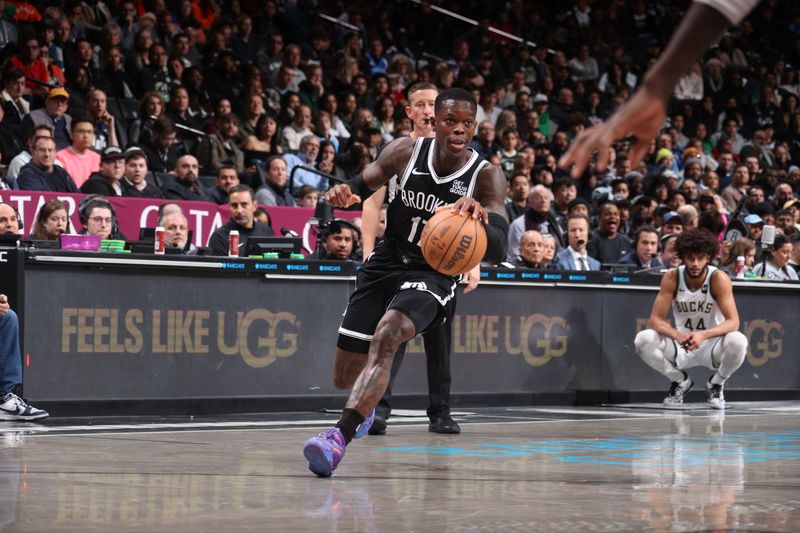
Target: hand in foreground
[
  {"x": 4, "y": 307},
  {"x": 468, "y": 206},
  {"x": 694, "y": 341},
  {"x": 641, "y": 116},
  {"x": 682, "y": 338},
  {"x": 340, "y": 195},
  {"x": 471, "y": 279}
]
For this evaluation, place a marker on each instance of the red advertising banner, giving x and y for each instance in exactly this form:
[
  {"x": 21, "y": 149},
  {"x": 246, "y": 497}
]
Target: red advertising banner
[{"x": 135, "y": 213}]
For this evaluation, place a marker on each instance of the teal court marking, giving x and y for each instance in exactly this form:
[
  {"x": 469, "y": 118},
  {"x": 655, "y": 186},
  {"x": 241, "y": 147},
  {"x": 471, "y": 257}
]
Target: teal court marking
[{"x": 646, "y": 451}]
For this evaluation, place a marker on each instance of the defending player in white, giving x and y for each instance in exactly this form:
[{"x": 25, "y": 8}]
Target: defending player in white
[{"x": 706, "y": 322}]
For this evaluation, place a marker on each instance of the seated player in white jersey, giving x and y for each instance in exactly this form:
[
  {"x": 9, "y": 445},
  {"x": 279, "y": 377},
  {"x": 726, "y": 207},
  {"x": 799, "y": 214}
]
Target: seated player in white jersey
[{"x": 706, "y": 322}]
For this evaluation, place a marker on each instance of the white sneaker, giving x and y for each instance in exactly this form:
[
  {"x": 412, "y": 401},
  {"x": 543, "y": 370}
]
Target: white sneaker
[
  {"x": 677, "y": 390},
  {"x": 716, "y": 398},
  {"x": 15, "y": 408}
]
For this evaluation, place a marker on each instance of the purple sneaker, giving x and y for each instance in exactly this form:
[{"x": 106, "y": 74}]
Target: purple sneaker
[
  {"x": 324, "y": 452},
  {"x": 364, "y": 426}
]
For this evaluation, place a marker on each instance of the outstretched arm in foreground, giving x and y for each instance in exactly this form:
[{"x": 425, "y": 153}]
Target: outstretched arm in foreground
[{"x": 644, "y": 113}]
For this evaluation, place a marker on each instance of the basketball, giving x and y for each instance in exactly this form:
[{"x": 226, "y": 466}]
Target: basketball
[{"x": 453, "y": 243}]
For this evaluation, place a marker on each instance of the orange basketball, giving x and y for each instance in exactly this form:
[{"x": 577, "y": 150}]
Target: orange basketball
[{"x": 453, "y": 243}]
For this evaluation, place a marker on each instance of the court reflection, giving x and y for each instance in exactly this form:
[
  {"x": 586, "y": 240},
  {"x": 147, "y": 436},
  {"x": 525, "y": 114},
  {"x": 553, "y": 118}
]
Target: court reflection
[
  {"x": 690, "y": 479},
  {"x": 339, "y": 505}
]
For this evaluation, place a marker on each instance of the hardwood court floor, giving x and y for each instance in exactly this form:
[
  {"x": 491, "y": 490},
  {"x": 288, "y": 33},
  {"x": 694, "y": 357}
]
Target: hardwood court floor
[{"x": 611, "y": 468}]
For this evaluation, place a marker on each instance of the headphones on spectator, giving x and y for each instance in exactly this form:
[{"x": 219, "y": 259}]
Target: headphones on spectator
[
  {"x": 16, "y": 211},
  {"x": 96, "y": 200},
  {"x": 338, "y": 223}
]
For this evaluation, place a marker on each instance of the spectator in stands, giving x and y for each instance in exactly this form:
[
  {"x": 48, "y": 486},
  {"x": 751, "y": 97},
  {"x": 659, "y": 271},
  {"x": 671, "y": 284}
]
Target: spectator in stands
[
  {"x": 79, "y": 160},
  {"x": 24, "y": 157},
  {"x": 669, "y": 253},
  {"x": 292, "y": 57},
  {"x": 51, "y": 221},
  {"x": 741, "y": 247},
  {"x": 134, "y": 182},
  {"x": 576, "y": 256},
  {"x": 105, "y": 126},
  {"x": 340, "y": 241},
  {"x": 508, "y": 152},
  {"x": 690, "y": 216},
  {"x": 537, "y": 216},
  {"x": 30, "y": 63},
  {"x": 330, "y": 104},
  {"x": 484, "y": 141},
  {"x": 162, "y": 147},
  {"x": 12, "y": 407},
  {"x": 222, "y": 149},
  {"x": 106, "y": 182},
  {"x": 733, "y": 193},
  {"x": 42, "y": 174},
  {"x": 200, "y": 101},
  {"x": 644, "y": 256},
  {"x": 565, "y": 192},
  {"x": 607, "y": 244},
  {"x": 176, "y": 232},
  {"x": 326, "y": 161},
  {"x": 309, "y": 149},
  {"x": 784, "y": 219},
  {"x": 151, "y": 108},
  {"x": 227, "y": 178},
  {"x": 300, "y": 128},
  {"x": 583, "y": 67},
  {"x": 307, "y": 196},
  {"x": 518, "y": 189},
  {"x": 672, "y": 223},
  {"x": 253, "y": 109},
  {"x": 243, "y": 43},
  {"x": 783, "y": 193},
  {"x": 242, "y": 202},
  {"x": 262, "y": 216},
  {"x": 154, "y": 74},
  {"x": 263, "y": 143},
  {"x": 531, "y": 251},
  {"x": 54, "y": 114},
  {"x": 114, "y": 79},
  {"x": 182, "y": 115},
  {"x": 794, "y": 261},
  {"x": 16, "y": 107},
  {"x": 578, "y": 206},
  {"x": 186, "y": 186},
  {"x": 274, "y": 191},
  {"x": 312, "y": 88},
  {"x": 776, "y": 265}
]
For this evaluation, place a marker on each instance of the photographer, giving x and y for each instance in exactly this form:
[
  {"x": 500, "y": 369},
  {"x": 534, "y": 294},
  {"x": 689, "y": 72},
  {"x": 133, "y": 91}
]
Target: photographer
[{"x": 340, "y": 241}]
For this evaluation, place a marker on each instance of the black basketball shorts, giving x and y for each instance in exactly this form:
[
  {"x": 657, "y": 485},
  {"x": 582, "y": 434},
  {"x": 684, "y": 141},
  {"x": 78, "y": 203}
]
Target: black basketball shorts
[{"x": 383, "y": 284}]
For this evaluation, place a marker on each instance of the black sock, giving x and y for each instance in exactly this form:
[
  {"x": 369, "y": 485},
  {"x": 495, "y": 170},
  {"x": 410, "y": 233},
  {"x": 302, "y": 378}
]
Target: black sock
[{"x": 349, "y": 423}]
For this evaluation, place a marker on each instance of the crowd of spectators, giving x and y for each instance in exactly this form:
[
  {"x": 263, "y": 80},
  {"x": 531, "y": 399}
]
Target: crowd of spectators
[{"x": 148, "y": 97}]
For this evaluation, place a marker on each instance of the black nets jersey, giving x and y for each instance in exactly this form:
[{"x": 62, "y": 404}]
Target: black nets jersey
[{"x": 415, "y": 194}]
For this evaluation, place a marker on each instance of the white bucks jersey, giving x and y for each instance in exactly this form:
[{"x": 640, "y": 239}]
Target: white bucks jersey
[
  {"x": 415, "y": 194},
  {"x": 697, "y": 310}
]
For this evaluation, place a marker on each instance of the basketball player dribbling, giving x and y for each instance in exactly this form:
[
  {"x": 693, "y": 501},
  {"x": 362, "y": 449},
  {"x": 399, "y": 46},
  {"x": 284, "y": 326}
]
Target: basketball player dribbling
[
  {"x": 397, "y": 294},
  {"x": 706, "y": 322},
  {"x": 438, "y": 342}
]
